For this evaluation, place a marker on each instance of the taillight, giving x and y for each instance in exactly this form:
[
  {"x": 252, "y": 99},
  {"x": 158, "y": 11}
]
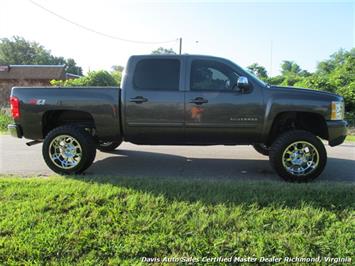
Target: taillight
[{"x": 15, "y": 107}]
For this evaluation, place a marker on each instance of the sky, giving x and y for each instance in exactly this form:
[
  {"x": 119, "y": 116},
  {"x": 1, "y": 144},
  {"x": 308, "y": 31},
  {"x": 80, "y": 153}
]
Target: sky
[{"x": 266, "y": 32}]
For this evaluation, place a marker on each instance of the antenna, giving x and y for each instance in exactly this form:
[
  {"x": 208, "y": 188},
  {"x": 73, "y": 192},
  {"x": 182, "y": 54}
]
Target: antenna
[
  {"x": 180, "y": 45},
  {"x": 270, "y": 58}
]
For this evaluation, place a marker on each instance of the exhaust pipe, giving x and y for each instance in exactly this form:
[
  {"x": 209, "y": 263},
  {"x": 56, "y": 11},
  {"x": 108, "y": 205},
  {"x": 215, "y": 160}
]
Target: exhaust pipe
[{"x": 33, "y": 142}]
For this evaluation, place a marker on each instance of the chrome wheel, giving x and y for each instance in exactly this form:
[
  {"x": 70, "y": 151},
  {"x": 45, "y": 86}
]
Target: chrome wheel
[
  {"x": 300, "y": 158},
  {"x": 65, "y": 151}
]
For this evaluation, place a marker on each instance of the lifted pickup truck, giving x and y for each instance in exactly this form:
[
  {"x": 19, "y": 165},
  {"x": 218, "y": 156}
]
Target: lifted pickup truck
[{"x": 181, "y": 100}]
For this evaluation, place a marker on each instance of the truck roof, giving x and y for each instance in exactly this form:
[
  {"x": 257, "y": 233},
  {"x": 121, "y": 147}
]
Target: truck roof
[{"x": 178, "y": 56}]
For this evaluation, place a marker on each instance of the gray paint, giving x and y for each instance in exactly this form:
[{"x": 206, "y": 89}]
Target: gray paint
[{"x": 228, "y": 117}]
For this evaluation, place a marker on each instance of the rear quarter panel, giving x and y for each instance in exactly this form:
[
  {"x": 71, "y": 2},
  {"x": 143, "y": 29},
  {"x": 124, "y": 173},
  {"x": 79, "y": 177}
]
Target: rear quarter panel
[{"x": 100, "y": 102}]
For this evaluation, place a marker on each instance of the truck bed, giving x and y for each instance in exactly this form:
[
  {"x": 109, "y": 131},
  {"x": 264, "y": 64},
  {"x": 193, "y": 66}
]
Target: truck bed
[{"x": 99, "y": 105}]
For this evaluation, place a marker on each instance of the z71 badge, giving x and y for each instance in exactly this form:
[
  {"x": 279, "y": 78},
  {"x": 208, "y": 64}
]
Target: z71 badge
[{"x": 37, "y": 101}]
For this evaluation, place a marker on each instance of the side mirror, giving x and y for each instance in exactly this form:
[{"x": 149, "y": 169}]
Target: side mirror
[{"x": 242, "y": 84}]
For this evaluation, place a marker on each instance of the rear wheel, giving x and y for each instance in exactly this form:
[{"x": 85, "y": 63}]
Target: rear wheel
[
  {"x": 262, "y": 148},
  {"x": 298, "y": 156},
  {"x": 108, "y": 146},
  {"x": 68, "y": 150}
]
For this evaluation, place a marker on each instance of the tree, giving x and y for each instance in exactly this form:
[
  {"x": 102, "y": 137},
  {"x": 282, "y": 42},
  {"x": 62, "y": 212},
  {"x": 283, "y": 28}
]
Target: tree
[
  {"x": 292, "y": 73},
  {"x": 337, "y": 58},
  {"x": 72, "y": 68},
  {"x": 93, "y": 78},
  {"x": 336, "y": 75},
  {"x": 18, "y": 51},
  {"x": 288, "y": 67},
  {"x": 258, "y": 70},
  {"x": 117, "y": 73},
  {"x": 162, "y": 50},
  {"x": 100, "y": 78},
  {"x": 304, "y": 73},
  {"x": 277, "y": 80}
]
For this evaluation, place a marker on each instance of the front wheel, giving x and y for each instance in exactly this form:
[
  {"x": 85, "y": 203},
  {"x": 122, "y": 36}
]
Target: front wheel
[
  {"x": 298, "y": 156},
  {"x": 68, "y": 150}
]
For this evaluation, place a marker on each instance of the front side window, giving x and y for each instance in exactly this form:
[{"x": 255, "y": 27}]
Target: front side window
[
  {"x": 157, "y": 74},
  {"x": 210, "y": 75}
]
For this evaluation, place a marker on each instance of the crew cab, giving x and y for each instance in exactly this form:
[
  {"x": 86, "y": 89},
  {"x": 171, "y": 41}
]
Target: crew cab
[{"x": 181, "y": 100}]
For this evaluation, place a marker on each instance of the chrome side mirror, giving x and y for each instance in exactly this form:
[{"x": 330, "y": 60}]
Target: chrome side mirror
[{"x": 242, "y": 83}]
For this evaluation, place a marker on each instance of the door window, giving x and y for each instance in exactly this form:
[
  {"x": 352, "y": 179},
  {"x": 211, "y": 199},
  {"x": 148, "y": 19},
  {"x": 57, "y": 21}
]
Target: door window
[
  {"x": 210, "y": 75},
  {"x": 157, "y": 74}
]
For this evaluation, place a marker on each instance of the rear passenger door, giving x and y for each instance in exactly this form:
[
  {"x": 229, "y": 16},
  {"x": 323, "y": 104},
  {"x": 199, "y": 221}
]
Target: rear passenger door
[{"x": 154, "y": 101}]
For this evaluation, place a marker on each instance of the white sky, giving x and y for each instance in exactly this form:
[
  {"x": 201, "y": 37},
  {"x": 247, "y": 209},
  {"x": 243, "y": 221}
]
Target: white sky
[{"x": 242, "y": 32}]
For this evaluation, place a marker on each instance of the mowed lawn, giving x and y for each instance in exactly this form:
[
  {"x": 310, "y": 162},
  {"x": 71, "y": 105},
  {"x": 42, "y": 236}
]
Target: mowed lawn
[{"x": 96, "y": 221}]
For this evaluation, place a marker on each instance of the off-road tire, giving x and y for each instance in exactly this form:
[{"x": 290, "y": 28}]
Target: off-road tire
[
  {"x": 280, "y": 145},
  {"x": 86, "y": 141}
]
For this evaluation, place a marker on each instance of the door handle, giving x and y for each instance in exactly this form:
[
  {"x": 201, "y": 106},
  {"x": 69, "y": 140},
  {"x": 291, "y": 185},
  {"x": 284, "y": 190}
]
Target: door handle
[
  {"x": 199, "y": 100},
  {"x": 138, "y": 99}
]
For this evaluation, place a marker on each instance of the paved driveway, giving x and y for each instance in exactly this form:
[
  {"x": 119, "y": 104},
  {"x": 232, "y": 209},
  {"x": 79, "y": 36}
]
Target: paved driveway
[{"x": 237, "y": 162}]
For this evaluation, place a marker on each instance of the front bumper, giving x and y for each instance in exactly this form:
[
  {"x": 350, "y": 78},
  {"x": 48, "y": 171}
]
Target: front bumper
[
  {"x": 15, "y": 130},
  {"x": 337, "y": 131}
]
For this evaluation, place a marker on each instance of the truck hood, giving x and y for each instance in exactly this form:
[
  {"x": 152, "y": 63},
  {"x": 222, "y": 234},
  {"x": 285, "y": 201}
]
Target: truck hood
[{"x": 305, "y": 91}]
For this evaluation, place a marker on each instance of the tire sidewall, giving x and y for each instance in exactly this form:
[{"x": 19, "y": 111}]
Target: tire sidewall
[
  {"x": 81, "y": 137},
  {"x": 279, "y": 146}
]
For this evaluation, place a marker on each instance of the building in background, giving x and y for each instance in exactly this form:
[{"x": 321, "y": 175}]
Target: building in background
[{"x": 28, "y": 75}]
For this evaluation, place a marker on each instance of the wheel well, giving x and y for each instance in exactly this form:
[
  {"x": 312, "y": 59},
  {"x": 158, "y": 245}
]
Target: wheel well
[
  {"x": 53, "y": 119},
  {"x": 312, "y": 122}
]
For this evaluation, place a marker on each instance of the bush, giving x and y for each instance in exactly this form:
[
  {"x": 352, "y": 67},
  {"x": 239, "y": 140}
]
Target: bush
[
  {"x": 275, "y": 80},
  {"x": 5, "y": 119},
  {"x": 94, "y": 78}
]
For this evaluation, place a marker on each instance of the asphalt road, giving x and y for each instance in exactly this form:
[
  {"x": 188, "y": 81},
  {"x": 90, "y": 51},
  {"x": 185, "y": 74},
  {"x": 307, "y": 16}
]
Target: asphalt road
[{"x": 236, "y": 162}]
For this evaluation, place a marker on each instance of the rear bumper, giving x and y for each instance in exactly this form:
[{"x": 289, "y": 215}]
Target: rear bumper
[
  {"x": 337, "y": 131},
  {"x": 15, "y": 130}
]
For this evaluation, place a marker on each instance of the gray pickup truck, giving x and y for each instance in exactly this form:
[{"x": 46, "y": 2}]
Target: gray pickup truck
[{"x": 181, "y": 100}]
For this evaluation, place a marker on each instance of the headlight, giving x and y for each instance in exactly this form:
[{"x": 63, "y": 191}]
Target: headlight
[{"x": 337, "y": 111}]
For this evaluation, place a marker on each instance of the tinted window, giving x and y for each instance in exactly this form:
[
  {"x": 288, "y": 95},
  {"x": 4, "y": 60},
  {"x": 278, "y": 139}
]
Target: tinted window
[
  {"x": 157, "y": 74},
  {"x": 211, "y": 76}
]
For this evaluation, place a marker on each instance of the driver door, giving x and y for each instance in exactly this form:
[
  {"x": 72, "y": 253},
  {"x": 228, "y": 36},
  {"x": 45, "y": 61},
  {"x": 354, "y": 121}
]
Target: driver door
[{"x": 216, "y": 113}]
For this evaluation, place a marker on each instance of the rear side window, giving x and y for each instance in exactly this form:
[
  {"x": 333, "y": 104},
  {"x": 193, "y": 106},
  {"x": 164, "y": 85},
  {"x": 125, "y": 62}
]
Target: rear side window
[{"x": 157, "y": 74}]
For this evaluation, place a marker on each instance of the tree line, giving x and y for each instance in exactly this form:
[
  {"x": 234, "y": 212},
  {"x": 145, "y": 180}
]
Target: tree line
[
  {"x": 18, "y": 51},
  {"x": 335, "y": 74}
]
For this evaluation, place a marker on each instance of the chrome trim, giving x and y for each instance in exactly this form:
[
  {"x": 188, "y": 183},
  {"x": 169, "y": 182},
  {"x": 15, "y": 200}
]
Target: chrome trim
[
  {"x": 65, "y": 151},
  {"x": 300, "y": 158},
  {"x": 242, "y": 82}
]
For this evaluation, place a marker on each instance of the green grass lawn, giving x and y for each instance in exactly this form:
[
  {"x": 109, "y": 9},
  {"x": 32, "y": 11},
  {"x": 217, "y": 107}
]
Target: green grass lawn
[
  {"x": 100, "y": 221},
  {"x": 350, "y": 138}
]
